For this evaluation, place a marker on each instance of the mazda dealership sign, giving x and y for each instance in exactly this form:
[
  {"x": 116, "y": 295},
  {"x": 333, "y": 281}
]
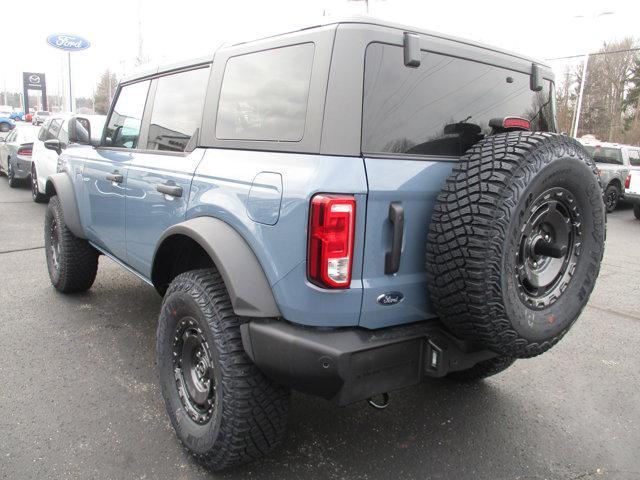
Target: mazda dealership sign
[{"x": 70, "y": 43}]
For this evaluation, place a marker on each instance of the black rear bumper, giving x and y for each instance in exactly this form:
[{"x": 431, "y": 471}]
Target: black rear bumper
[{"x": 351, "y": 364}]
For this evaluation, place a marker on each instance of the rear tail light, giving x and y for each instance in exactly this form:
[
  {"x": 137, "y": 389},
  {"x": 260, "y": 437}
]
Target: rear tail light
[
  {"x": 332, "y": 221},
  {"x": 24, "y": 151},
  {"x": 627, "y": 182}
]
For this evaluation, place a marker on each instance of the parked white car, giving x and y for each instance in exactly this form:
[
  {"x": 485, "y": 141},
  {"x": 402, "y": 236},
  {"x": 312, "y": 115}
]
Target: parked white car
[
  {"x": 39, "y": 117},
  {"x": 45, "y": 160},
  {"x": 632, "y": 185}
]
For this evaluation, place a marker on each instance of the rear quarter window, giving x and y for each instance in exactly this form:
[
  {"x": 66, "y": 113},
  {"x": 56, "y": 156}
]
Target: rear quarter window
[
  {"x": 264, "y": 95},
  {"x": 444, "y": 106}
]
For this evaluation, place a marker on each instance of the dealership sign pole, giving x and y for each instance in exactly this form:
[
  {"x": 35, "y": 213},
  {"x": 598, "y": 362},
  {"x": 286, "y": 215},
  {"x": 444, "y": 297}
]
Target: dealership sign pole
[{"x": 68, "y": 43}]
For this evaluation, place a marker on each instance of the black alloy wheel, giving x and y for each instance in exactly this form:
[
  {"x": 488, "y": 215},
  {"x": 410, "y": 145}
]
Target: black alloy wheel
[{"x": 549, "y": 247}]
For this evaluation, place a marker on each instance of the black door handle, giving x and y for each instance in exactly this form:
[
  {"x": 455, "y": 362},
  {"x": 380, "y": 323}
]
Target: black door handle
[
  {"x": 392, "y": 258},
  {"x": 173, "y": 190},
  {"x": 115, "y": 177}
]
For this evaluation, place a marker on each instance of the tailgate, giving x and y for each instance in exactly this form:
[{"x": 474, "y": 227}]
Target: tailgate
[{"x": 412, "y": 186}]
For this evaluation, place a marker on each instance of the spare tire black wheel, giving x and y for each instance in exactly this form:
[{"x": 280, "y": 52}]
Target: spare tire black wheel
[{"x": 515, "y": 242}]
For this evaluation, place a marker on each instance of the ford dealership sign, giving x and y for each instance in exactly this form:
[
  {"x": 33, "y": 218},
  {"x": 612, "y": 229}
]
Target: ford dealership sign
[{"x": 70, "y": 43}]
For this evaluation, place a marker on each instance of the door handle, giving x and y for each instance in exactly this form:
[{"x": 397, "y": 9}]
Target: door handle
[
  {"x": 115, "y": 177},
  {"x": 392, "y": 258},
  {"x": 173, "y": 190}
]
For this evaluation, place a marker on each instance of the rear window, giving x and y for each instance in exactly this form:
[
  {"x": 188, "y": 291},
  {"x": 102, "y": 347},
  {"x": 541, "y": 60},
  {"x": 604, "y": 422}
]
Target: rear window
[
  {"x": 444, "y": 106},
  {"x": 600, "y": 154},
  {"x": 43, "y": 114},
  {"x": 634, "y": 158},
  {"x": 264, "y": 95}
]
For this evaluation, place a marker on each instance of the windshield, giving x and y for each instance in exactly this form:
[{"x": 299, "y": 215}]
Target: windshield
[{"x": 601, "y": 154}]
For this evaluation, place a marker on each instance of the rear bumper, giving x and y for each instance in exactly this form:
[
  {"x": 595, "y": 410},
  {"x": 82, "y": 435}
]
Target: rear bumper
[
  {"x": 351, "y": 364},
  {"x": 21, "y": 166}
]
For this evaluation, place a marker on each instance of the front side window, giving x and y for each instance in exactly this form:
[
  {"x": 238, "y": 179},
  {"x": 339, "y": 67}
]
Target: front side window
[
  {"x": 54, "y": 129},
  {"x": 264, "y": 95},
  {"x": 177, "y": 111},
  {"x": 602, "y": 154},
  {"x": 123, "y": 129},
  {"x": 444, "y": 106}
]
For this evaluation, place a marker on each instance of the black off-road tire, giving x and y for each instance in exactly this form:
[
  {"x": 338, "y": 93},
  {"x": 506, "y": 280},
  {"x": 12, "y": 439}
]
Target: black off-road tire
[
  {"x": 476, "y": 273},
  {"x": 483, "y": 369},
  {"x": 611, "y": 197},
  {"x": 636, "y": 211},
  {"x": 248, "y": 414},
  {"x": 71, "y": 261}
]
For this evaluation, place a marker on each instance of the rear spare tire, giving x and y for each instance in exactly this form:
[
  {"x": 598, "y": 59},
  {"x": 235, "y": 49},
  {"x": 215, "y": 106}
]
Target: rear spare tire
[{"x": 515, "y": 242}]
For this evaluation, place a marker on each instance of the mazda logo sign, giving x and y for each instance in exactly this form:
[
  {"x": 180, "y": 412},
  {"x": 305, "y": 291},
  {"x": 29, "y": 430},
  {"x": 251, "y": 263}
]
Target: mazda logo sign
[{"x": 34, "y": 79}]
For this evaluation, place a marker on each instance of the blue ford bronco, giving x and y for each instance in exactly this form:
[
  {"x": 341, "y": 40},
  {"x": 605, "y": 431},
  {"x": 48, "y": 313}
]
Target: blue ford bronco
[{"x": 343, "y": 210}]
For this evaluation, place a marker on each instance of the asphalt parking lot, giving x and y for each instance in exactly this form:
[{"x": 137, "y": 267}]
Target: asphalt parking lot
[{"x": 78, "y": 393}]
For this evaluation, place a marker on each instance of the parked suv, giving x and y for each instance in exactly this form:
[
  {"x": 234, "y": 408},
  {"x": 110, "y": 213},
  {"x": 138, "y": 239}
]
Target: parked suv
[
  {"x": 343, "y": 210},
  {"x": 613, "y": 161},
  {"x": 632, "y": 184}
]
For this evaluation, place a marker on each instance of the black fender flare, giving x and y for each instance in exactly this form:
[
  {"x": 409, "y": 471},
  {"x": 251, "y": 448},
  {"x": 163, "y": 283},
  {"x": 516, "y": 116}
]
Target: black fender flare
[
  {"x": 61, "y": 185},
  {"x": 250, "y": 292}
]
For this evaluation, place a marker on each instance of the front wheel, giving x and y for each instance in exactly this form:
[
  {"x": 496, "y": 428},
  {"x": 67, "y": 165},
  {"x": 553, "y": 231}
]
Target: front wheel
[
  {"x": 611, "y": 198},
  {"x": 224, "y": 410},
  {"x": 72, "y": 262},
  {"x": 35, "y": 192}
]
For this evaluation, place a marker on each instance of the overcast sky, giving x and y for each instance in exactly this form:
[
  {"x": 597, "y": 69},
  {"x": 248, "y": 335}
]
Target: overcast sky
[{"x": 189, "y": 28}]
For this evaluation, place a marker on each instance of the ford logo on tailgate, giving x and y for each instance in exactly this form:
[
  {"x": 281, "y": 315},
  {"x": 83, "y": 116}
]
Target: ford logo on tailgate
[
  {"x": 390, "y": 298},
  {"x": 68, "y": 42}
]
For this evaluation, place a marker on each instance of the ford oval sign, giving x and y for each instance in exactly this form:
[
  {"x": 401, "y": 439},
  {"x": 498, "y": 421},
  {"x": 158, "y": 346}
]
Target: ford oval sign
[
  {"x": 70, "y": 43},
  {"x": 390, "y": 298}
]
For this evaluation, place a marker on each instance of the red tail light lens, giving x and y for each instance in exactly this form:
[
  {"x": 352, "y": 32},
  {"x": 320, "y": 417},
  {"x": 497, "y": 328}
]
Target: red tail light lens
[
  {"x": 627, "y": 182},
  {"x": 515, "y": 122},
  {"x": 332, "y": 221},
  {"x": 26, "y": 152}
]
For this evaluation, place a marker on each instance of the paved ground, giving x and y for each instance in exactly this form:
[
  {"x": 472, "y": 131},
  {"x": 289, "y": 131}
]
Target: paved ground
[{"x": 78, "y": 394}]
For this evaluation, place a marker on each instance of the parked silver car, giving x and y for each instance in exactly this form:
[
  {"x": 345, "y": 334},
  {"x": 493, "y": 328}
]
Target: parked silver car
[
  {"x": 40, "y": 116},
  {"x": 15, "y": 154},
  {"x": 613, "y": 162}
]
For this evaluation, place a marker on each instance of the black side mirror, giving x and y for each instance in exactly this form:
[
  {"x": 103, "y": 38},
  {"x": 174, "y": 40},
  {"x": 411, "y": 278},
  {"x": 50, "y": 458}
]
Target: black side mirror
[
  {"x": 53, "y": 144},
  {"x": 80, "y": 131}
]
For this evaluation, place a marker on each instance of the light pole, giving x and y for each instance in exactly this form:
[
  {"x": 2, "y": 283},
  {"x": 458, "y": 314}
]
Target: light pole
[{"x": 584, "y": 74}]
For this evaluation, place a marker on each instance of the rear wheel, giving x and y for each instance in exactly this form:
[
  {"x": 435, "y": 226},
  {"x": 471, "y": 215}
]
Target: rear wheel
[
  {"x": 72, "y": 262},
  {"x": 224, "y": 410},
  {"x": 515, "y": 242},
  {"x": 636, "y": 211},
  {"x": 483, "y": 369},
  {"x": 35, "y": 192},
  {"x": 611, "y": 197},
  {"x": 13, "y": 181},
  {"x": 4, "y": 127}
]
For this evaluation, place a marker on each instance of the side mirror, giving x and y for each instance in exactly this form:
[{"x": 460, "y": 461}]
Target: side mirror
[
  {"x": 53, "y": 144},
  {"x": 80, "y": 131}
]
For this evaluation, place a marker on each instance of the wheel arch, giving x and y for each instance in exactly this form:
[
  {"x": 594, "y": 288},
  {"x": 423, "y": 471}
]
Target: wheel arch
[
  {"x": 61, "y": 185},
  {"x": 617, "y": 183},
  {"x": 182, "y": 246}
]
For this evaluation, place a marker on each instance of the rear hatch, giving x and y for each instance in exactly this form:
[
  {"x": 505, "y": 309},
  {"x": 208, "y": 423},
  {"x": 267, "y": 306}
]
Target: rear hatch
[{"x": 416, "y": 124}]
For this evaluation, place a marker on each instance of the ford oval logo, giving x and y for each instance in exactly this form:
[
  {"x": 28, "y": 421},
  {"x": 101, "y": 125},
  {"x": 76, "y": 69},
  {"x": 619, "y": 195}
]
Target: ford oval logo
[
  {"x": 69, "y": 43},
  {"x": 390, "y": 298}
]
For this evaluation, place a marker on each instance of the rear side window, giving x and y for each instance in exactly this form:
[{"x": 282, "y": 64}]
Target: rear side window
[
  {"x": 634, "y": 158},
  {"x": 601, "y": 154},
  {"x": 123, "y": 129},
  {"x": 444, "y": 106},
  {"x": 264, "y": 95},
  {"x": 177, "y": 111}
]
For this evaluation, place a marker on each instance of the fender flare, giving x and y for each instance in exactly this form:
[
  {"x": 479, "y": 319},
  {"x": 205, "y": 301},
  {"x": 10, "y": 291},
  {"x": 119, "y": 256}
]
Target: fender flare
[
  {"x": 63, "y": 186},
  {"x": 246, "y": 282}
]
